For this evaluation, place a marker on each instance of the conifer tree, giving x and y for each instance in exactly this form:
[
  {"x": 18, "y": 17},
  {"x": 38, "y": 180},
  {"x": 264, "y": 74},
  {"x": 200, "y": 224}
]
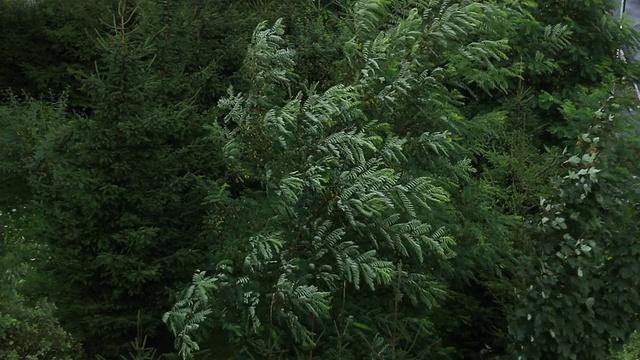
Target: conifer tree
[
  {"x": 185, "y": 35},
  {"x": 47, "y": 44},
  {"x": 120, "y": 197}
]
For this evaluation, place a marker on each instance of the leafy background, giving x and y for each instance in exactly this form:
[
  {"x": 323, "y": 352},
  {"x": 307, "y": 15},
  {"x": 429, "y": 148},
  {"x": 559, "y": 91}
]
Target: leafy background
[{"x": 384, "y": 179}]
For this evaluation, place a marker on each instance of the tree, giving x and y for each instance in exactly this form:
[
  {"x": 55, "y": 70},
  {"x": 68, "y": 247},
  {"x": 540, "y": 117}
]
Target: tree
[
  {"x": 24, "y": 124},
  {"x": 120, "y": 196},
  {"x": 46, "y": 45},
  {"x": 579, "y": 294},
  {"x": 346, "y": 223}
]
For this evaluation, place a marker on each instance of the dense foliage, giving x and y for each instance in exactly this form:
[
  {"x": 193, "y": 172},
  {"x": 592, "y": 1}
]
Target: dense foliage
[
  {"x": 385, "y": 179},
  {"x": 29, "y": 328}
]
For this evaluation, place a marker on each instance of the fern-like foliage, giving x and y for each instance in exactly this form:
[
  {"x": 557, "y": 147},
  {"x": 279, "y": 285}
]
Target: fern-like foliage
[
  {"x": 266, "y": 63},
  {"x": 189, "y": 312},
  {"x": 350, "y": 218}
]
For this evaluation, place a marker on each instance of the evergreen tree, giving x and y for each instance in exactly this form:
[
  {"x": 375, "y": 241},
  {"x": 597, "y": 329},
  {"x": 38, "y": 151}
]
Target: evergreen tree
[
  {"x": 120, "y": 196},
  {"x": 24, "y": 124},
  {"x": 193, "y": 42},
  {"x": 47, "y": 44}
]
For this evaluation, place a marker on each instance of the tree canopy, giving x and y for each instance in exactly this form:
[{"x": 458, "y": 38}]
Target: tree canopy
[{"x": 344, "y": 179}]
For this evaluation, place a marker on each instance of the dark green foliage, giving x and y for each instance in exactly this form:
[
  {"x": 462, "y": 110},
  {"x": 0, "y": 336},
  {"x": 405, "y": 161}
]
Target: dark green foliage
[
  {"x": 31, "y": 331},
  {"x": 209, "y": 31},
  {"x": 630, "y": 351},
  {"x": 120, "y": 195},
  {"x": 354, "y": 179},
  {"x": 17, "y": 22},
  {"x": 28, "y": 329},
  {"x": 555, "y": 315},
  {"x": 47, "y": 44},
  {"x": 596, "y": 37},
  {"x": 582, "y": 291},
  {"x": 24, "y": 123}
]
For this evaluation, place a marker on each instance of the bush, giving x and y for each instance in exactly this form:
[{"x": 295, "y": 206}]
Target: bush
[
  {"x": 32, "y": 331},
  {"x": 631, "y": 350},
  {"x": 28, "y": 330}
]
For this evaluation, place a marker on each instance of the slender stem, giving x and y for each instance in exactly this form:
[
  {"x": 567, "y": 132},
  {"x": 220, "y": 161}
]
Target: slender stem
[
  {"x": 340, "y": 332},
  {"x": 396, "y": 302},
  {"x": 313, "y": 329},
  {"x": 273, "y": 301}
]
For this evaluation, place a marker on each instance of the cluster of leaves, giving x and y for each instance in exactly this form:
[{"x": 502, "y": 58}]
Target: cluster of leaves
[
  {"x": 631, "y": 350},
  {"x": 343, "y": 219},
  {"x": 29, "y": 329},
  {"x": 586, "y": 249}
]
